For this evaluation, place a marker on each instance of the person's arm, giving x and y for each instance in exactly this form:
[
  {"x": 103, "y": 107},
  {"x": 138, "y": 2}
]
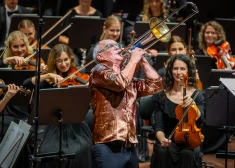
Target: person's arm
[
  {"x": 158, "y": 123},
  {"x": 12, "y": 90},
  {"x": 149, "y": 71}
]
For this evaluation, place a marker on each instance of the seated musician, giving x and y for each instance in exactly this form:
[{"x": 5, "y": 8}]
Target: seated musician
[
  {"x": 76, "y": 137},
  {"x": 17, "y": 50},
  {"x": 11, "y": 91},
  {"x": 28, "y": 28},
  {"x": 111, "y": 30},
  {"x": 211, "y": 32},
  {"x": 167, "y": 152},
  {"x": 5, "y": 98}
]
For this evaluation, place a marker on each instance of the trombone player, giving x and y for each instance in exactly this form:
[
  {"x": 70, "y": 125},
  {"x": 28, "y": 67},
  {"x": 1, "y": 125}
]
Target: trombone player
[{"x": 114, "y": 93}]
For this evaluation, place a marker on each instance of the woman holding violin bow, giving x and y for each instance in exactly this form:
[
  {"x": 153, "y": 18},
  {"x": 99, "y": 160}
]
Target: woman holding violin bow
[
  {"x": 178, "y": 117},
  {"x": 76, "y": 137},
  {"x": 212, "y": 42},
  {"x": 19, "y": 54}
]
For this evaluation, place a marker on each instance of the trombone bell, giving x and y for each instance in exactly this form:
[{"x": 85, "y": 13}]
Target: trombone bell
[{"x": 160, "y": 30}]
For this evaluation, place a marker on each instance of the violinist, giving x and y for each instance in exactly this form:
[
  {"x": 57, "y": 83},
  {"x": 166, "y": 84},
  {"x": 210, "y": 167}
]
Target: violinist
[
  {"x": 211, "y": 32},
  {"x": 175, "y": 46},
  {"x": 114, "y": 92},
  {"x": 76, "y": 137},
  {"x": 28, "y": 28},
  {"x": 18, "y": 49},
  {"x": 168, "y": 153},
  {"x": 11, "y": 91},
  {"x": 83, "y": 9},
  {"x": 111, "y": 30}
]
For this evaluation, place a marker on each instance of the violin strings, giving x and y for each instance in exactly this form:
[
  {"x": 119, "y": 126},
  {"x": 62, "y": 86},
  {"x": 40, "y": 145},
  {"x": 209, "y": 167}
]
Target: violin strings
[{"x": 186, "y": 111}]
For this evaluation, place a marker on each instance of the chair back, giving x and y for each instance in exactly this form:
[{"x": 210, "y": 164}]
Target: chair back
[{"x": 146, "y": 107}]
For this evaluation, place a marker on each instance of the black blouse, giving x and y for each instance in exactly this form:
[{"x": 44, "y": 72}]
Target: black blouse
[{"x": 164, "y": 118}]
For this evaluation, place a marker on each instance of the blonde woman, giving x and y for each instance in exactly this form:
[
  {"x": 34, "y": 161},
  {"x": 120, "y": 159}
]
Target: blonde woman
[{"x": 153, "y": 8}]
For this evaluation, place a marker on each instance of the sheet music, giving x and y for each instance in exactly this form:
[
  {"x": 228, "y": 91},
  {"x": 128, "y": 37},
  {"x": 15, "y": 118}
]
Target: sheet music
[
  {"x": 229, "y": 83},
  {"x": 12, "y": 143}
]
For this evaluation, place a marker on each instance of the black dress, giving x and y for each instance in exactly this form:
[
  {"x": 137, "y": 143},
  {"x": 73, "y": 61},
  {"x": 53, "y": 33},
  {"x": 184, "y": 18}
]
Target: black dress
[
  {"x": 76, "y": 138},
  {"x": 164, "y": 119}
]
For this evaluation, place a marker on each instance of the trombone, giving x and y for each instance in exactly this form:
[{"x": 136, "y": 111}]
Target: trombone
[{"x": 159, "y": 30}]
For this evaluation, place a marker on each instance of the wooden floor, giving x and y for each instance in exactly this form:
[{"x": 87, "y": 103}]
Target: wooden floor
[{"x": 208, "y": 158}]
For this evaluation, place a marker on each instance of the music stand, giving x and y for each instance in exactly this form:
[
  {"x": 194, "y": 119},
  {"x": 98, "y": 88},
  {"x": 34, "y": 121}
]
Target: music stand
[
  {"x": 45, "y": 54},
  {"x": 216, "y": 74},
  {"x": 17, "y": 77},
  {"x": 225, "y": 111},
  {"x": 203, "y": 66},
  {"x": 49, "y": 21},
  {"x": 60, "y": 106},
  {"x": 142, "y": 27},
  {"x": 87, "y": 31}
]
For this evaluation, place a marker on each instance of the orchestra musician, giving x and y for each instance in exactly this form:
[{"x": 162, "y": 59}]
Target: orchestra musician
[
  {"x": 114, "y": 92},
  {"x": 76, "y": 137},
  {"x": 112, "y": 31},
  {"x": 83, "y": 9},
  {"x": 211, "y": 32},
  {"x": 167, "y": 152},
  {"x": 11, "y": 91},
  {"x": 6, "y": 11},
  {"x": 175, "y": 46},
  {"x": 17, "y": 50},
  {"x": 28, "y": 28}
]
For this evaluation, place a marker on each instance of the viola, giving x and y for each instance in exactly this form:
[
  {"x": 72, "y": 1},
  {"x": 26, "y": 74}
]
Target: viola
[
  {"x": 75, "y": 78},
  {"x": 186, "y": 131},
  {"x": 220, "y": 50},
  {"x": 3, "y": 89}
]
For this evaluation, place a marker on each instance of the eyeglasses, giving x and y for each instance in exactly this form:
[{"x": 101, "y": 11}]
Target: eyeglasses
[
  {"x": 60, "y": 61},
  {"x": 108, "y": 46}
]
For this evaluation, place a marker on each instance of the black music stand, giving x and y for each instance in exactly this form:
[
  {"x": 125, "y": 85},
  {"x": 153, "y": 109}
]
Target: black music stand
[
  {"x": 203, "y": 66},
  {"x": 57, "y": 107},
  {"x": 216, "y": 74},
  {"x": 227, "y": 117},
  {"x": 17, "y": 77},
  {"x": 85, "y": 31},
  {"x": 49, "y": 21},
  {"x": 142, "y": 27}
]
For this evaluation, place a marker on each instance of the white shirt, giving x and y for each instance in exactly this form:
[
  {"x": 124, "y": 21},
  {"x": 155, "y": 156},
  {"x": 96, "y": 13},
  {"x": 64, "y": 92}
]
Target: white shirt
[{"x": 8, "y": 18}]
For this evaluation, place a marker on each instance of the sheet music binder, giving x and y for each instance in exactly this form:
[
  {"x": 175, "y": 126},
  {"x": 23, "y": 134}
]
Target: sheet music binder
[{"x": 12, "y": 143}]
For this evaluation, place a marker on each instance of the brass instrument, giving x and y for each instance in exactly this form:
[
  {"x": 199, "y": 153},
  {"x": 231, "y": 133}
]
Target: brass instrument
[{"x": 159, "y": 31}]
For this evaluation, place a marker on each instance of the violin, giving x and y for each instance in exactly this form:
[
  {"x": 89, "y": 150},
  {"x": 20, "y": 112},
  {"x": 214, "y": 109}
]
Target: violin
[
  {"x": 186, "y": 131},
  {"x": 30, "y": 63},
  {"x": 75, "y": 78},
  {"x": 220, "y": 50},
  {"x": 3, "y": 89}
]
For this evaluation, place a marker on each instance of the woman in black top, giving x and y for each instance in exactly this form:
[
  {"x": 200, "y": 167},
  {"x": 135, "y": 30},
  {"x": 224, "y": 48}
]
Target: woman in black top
[
  {"x": 76, "y": 137},
  {"x": 167, "y": 153}
]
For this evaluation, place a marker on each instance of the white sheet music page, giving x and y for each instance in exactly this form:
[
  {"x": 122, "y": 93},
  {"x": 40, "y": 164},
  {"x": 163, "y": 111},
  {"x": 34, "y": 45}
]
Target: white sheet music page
[
  {"x": 229, "y": 84},
  {"x": 12, "y": 143}
]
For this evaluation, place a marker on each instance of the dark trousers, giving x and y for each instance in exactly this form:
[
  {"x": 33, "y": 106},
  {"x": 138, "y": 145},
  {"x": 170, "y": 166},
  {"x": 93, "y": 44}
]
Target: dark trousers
[{"x": 114, "y": 155}]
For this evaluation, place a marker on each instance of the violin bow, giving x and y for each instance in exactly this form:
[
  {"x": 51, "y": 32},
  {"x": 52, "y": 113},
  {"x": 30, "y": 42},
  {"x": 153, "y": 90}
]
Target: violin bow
[{"x": 74, "y": 73}]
